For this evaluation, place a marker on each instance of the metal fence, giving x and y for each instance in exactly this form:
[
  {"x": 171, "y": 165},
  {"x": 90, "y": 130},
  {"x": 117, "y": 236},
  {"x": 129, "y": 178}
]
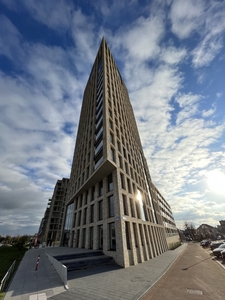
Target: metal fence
[{"x": 7, "y": 275}]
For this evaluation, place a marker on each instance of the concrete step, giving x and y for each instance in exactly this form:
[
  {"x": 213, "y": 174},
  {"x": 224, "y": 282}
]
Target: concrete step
[
  {"x": 86, "y": 262},
  {"x": 78, "y": 255}
]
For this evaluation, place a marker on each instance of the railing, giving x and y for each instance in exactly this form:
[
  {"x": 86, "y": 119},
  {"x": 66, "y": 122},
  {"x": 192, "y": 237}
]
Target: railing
[{"x": 7, "y": 275}]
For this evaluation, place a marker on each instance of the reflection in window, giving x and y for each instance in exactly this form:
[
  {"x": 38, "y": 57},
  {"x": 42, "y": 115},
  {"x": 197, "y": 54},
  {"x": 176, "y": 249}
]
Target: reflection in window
[{"x": 139, "y": 198}]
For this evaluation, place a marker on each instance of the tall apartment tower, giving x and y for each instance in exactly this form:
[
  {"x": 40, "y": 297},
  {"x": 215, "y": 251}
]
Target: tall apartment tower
[
  {"x": 53, "y": 219},
  {"x": 110, "y": 200}
]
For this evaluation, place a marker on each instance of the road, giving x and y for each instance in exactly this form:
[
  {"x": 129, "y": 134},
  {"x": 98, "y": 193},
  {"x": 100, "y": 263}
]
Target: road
[{"x": 194, "y": 275}]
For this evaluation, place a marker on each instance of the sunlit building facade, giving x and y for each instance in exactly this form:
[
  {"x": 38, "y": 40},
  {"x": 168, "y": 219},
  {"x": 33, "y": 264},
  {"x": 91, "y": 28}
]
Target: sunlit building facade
[{"x": 111, "y": 203}]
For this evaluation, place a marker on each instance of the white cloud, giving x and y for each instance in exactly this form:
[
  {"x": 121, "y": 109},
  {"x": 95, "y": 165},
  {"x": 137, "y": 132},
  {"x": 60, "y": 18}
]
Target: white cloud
[
  {"x": 54, "y": 14},
  {"x": 186, "y": 17},
  {"x": 188, "y": 99},
  {"x": 10, "y": 39},
  {"x": 206, "y": 51},
  {"x": 172, "y": 55},
  {"x": 207, "y": 113},
  {"x": 142, "y": 39},
  {"x": 203, "y": 19}
]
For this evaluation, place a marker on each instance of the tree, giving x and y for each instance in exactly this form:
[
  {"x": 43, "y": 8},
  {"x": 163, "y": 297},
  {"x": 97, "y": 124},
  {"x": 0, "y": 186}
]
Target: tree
[{"x": 189, "y": 230}]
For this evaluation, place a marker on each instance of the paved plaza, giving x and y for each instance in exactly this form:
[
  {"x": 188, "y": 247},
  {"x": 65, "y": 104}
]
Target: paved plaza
[{"x": 100, "y": 282}]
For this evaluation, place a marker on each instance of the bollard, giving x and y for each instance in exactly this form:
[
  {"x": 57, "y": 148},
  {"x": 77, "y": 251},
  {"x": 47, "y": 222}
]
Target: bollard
[{"x": 38, "y": 259}]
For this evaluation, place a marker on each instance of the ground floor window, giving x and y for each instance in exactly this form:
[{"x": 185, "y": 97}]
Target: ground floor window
[
  {"x": 100, "y": 236},
  {"x": 112, "y": 236},
  {"x": 91, "y": 237}
]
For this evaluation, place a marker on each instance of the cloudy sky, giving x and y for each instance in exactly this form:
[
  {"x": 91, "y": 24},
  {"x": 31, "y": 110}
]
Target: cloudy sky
[{"x": 171, "y": 55}]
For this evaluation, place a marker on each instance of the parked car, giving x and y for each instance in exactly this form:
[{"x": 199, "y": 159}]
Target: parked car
[
  {"x": 223, "y": 254},
  {"x": 205, "y": 243},
  {"x": 215, "y": 245},
  {"x": 217, "y": 251}
]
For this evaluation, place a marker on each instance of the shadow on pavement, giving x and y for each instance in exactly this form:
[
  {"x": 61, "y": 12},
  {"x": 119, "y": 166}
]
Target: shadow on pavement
[
  {"x": 185, "y": 269},
  {"x": 92, "y": 271}
]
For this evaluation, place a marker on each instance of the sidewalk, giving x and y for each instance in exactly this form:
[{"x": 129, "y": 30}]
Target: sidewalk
[
  {"x": 101, "y": 282},
  {"x": 32, "y": 284},
  {"x": 195, "y": 275}
]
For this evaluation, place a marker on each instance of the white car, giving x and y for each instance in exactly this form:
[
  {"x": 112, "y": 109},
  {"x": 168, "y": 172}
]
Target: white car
[{"x": 217, "y": 251}]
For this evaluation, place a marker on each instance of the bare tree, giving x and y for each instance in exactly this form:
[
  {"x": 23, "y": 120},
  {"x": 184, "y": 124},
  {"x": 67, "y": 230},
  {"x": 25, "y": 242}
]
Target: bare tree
[{"x": 189, "y": 229}]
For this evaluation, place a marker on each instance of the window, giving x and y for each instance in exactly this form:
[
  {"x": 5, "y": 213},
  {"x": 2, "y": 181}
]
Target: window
[
  {"x": 100, "y": 210},
  {"x": 112, "y": 236},
  {"x": 79, "y": 218},
  {"x": 121, "y": 162},
  {"x": 98, "y": 160},
  {"x": 81, "y": 200},
  {"x": 127, "y": 229},
  {"x": 93, "y": 193},
  {"x": 110, "y": 183},
  {"x": 76, "y": 204},
  {"x": 124, "y": 153},
  {"x": 98, "y": 146},
  {"x": 91, "y": 237},
  {"x": 87, "y": 174},
  {"x": 127, "y": 168},
  {"x": 138, "y": 210},
  {"x": 135, "y": 234},
  {"x": 111, "y": 206},
  {"x": 74, "y": 220},
  {"x": 85, "y": 215},
  {"x": 118, "y": 146},
  {"x": 83, "y": 237},
  {"x": 111, "y": 138},
  {"x": 100, "y": 189},
  {"x": 125, "y": 208},
  {"x": 141, "y": 234},
  {"x": 98, "y": 133},
  {"x": 100, "y": 232},
  {"x": 86, "y": 197},
  {"x": 112, "y": 154},
  {"x": 129, "y": 186},
  {"x": 132, "y": 208},
  {"x": 92, "y": 213},
  {"x": 122, "y": 181}
]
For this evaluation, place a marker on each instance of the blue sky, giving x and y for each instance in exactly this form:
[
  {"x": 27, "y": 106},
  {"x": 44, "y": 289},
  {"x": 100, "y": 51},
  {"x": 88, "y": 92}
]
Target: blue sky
[{"x": 172, "y": 58}]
